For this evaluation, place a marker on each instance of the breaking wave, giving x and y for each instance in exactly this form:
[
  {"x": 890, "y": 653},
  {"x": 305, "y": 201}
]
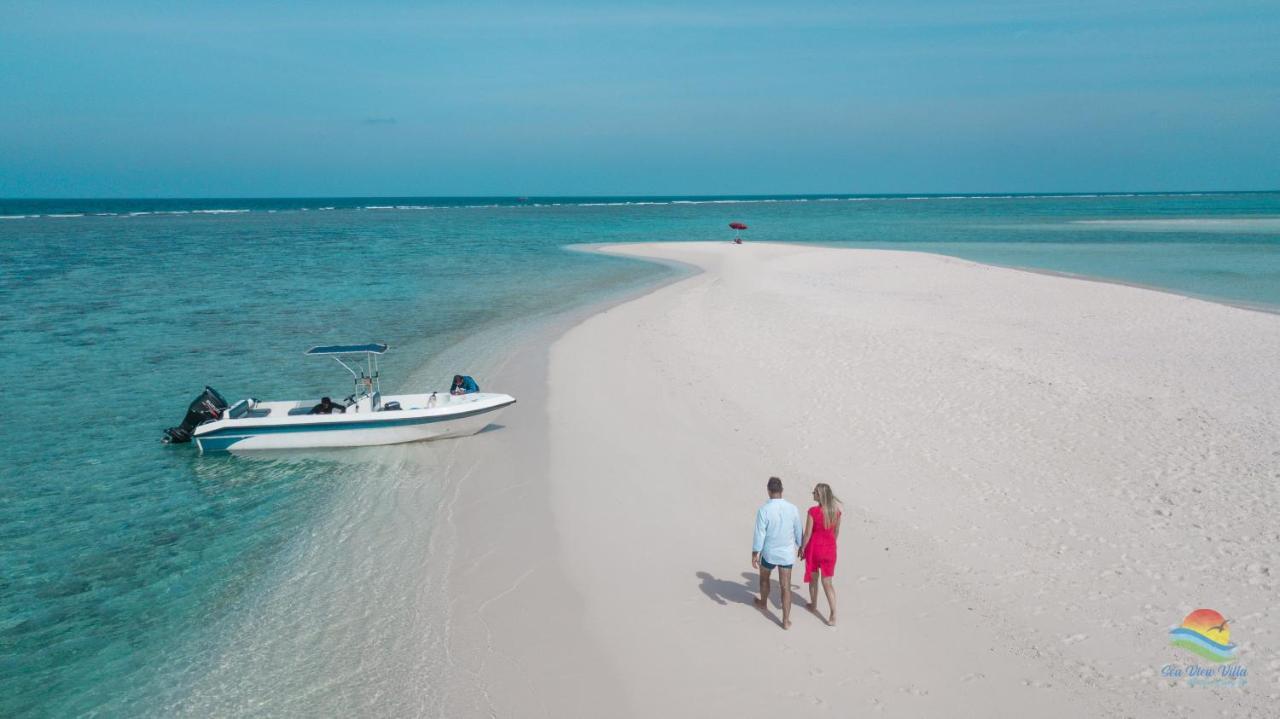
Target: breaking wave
[{"x": 1189, "y": 224}]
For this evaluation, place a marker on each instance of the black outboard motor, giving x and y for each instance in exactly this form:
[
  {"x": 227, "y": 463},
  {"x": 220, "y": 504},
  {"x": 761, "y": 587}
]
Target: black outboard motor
[{"x": 208, "y": 406}]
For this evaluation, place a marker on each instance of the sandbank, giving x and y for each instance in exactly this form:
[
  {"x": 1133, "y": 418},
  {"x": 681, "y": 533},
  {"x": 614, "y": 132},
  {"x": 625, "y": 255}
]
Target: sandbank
[{"x": 1041, "y": 476}]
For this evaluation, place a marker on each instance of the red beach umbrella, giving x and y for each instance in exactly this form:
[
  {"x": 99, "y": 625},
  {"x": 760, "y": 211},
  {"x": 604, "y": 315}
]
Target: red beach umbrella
[{"x": 737, "y": 226}]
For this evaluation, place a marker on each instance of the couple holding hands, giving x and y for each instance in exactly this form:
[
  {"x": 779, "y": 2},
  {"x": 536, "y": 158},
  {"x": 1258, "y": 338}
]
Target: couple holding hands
[{"x": 777, "y": 536}]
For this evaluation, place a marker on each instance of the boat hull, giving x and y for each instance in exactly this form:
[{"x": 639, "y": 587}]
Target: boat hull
[{"x": 351, "y": 430}]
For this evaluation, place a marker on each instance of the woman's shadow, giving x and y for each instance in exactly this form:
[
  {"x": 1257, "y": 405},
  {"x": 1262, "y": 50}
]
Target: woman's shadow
[{"x": 723, "y": 591}]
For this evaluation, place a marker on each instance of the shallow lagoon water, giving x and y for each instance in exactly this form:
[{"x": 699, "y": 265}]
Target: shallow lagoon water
[{"x": 123, "y": 562}]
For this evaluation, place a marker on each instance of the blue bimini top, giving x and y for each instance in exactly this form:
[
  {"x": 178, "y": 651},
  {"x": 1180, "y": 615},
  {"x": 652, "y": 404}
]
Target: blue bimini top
[{"x": 372, "y": 347}]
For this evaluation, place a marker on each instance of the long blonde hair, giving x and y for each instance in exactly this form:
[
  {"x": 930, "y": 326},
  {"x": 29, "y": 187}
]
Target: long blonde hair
[{"x": 830, "y": 504}]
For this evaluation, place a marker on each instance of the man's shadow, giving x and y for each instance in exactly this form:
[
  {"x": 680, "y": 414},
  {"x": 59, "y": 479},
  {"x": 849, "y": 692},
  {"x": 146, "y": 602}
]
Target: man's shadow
[{"x": 723, "y": 591}]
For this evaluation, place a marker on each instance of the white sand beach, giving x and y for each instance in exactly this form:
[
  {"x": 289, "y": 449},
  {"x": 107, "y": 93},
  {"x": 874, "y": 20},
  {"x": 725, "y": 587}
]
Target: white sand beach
[{"x": 1041, "y": 476}]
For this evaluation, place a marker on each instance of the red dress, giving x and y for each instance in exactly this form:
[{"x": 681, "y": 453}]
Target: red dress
[{"x": 820, "y": 553}]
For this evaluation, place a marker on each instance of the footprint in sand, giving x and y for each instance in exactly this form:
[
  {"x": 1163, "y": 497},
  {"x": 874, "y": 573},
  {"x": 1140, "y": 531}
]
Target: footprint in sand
[
  {"x": 914, "y": 690},
  {"x": 1036, "y": 684}
]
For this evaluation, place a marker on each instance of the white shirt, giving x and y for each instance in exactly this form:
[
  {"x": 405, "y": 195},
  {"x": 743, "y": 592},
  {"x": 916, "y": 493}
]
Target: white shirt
[{"x": 778, "y": 533}]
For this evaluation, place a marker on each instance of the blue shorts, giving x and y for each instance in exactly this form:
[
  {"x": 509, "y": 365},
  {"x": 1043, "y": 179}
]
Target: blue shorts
[{"x": 770, "y": 566}]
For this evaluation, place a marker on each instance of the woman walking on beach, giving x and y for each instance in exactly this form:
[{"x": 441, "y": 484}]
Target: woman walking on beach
[{"x": 821, "y": 530}]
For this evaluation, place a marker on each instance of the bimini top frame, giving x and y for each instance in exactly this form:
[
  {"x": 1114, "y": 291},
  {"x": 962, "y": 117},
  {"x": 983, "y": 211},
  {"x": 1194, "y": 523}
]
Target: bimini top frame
[
  {"x": 366, "y": 377},
  {"x": 372, "y": 348}
]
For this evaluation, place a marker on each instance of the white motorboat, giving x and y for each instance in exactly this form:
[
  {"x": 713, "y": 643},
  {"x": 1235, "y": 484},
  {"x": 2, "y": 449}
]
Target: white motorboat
[{"x": 364, "y": 418}]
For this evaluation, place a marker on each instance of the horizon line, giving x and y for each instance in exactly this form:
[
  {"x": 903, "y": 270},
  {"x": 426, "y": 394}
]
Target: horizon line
[{"x": 994, "y": 193}]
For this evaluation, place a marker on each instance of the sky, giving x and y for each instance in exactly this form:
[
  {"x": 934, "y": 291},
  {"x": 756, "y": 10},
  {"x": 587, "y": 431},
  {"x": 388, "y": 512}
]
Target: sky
[{"x": 283, "y": 99}]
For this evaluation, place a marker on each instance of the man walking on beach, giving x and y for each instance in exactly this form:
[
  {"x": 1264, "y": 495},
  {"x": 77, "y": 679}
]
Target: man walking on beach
[{"x": 776, "y": 539}]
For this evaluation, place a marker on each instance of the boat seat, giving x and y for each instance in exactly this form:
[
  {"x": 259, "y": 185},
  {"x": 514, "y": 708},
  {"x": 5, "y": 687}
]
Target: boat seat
[
  {"x": 307, "y": 410},
  {"x": 258, "y": 413}
]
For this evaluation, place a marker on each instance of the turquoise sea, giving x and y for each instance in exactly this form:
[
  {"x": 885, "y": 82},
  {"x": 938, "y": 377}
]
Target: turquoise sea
[{"x": 118, "y": 554}]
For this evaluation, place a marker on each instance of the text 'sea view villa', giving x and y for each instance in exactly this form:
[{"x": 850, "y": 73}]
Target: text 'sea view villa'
[{"x": 554, "y": 359}]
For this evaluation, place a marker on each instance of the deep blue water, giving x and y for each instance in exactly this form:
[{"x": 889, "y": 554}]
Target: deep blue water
[{"x": 114, "y": 550}]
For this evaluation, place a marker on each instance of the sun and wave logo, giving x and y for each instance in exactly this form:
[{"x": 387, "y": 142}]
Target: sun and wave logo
[{"x": 1205, "y": 633}]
